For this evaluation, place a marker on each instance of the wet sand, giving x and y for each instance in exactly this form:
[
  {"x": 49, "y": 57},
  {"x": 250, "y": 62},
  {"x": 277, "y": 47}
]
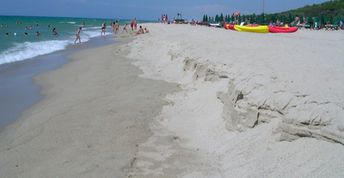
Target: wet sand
[{"x": 95, "y": 113}]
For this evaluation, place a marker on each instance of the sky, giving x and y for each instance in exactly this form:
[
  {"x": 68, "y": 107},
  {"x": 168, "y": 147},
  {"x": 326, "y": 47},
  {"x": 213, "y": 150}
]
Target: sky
[{"x": 144, "y": 9}]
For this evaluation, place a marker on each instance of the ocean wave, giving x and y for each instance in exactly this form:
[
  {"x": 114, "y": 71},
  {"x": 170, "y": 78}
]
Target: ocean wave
[
  {"x": 27, "y": 50},
  {"x": 92, "y": 28},
  {"x": 71, "y": 22},
  {"x": 91, "y": 34}
]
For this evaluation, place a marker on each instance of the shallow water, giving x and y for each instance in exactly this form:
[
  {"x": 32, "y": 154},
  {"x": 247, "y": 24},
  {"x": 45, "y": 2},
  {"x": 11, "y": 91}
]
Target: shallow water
[{"x": 18, "y": 92}]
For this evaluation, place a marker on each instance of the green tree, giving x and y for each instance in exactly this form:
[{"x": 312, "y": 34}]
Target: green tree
[
  {"x": 302, "y": 19},
  {"x": 221, "y": 17},
  {"x": 217, "y": 18},
  {"x": 290, "y": 18}
]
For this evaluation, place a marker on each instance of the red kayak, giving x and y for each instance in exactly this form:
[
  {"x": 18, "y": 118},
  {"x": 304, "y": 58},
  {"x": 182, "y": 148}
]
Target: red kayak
[
  {"x": 229, "y": 26},
  {"x": 275, "y": 29}
]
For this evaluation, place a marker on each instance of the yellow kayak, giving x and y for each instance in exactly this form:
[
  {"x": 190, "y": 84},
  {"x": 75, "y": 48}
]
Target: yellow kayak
[{"x": 255, "y": 29}]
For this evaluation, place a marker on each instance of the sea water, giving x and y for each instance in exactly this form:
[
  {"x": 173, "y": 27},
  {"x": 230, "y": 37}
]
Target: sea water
[{"x": 19, "y": 39}]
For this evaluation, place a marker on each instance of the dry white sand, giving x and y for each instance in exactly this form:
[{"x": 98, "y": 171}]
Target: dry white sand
[
  {"x": 95, "y": 113},
  {"x": 250, "y": 105}
]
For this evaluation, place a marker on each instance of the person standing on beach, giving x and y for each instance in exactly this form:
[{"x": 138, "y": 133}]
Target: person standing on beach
[
  {"x": 103, "y": 29},
  {"x": 78, "y": 35},
  {"x": 113, "y": 27},
  {"x": 132, "y": 25},
  {"x": 135, "y": 24},
  {"x": 125, "y": 28},
  {"x": 116, "y": 26}
]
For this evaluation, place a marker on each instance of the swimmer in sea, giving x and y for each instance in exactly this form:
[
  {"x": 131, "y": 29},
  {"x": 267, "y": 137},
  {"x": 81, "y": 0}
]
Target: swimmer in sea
[
  {"x": 55, "y": 32},
  {"x": 37, "y": 33},
  {"x": 26, "y": 34},
  {"x": 7, "y": 34},
  {"x": 78, "y": 35}
]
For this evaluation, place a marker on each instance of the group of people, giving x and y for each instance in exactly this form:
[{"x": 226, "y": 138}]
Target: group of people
[
  {"x": 315, "y": 23},
  {"x": 142, "y": 31},
  {"x": 28, "y": 29},
  {"x": 116, "y": 26}
]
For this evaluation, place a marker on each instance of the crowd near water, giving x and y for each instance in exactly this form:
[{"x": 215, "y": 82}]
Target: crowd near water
[{"x": 26, "y": 37}]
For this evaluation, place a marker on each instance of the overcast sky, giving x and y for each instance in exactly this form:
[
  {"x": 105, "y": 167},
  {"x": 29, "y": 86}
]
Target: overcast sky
[{"x": 143, "y": 9}]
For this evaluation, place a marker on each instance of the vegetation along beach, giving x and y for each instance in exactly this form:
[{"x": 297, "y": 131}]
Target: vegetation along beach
[{"x": 172, "y": 89}]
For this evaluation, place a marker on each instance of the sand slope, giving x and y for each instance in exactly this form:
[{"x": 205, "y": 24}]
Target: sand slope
[{"x": 252, "y": 105}]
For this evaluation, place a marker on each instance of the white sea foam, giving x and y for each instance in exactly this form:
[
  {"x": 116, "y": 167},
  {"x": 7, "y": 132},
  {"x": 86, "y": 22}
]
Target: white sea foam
[
  {"x": 71, "y": 22},
  {"x": 92, "y": 28},
  {"x": 26, "y": 50},
  {"x": 88, "y": 33}
]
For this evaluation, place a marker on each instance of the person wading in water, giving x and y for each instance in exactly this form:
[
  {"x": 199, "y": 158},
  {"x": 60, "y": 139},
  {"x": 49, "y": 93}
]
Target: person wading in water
[{"x": 78, "y": 35}]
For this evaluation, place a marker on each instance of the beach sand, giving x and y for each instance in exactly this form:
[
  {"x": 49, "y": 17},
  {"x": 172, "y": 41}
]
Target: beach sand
[
  {"x": 209, "y": 103},
  {"x": 251, "y": 105}
]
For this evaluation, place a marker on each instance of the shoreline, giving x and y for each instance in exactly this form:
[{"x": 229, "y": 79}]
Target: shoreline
[
  {"x": 19, "y": 92},
  {"x": 95, "y": 112}
]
